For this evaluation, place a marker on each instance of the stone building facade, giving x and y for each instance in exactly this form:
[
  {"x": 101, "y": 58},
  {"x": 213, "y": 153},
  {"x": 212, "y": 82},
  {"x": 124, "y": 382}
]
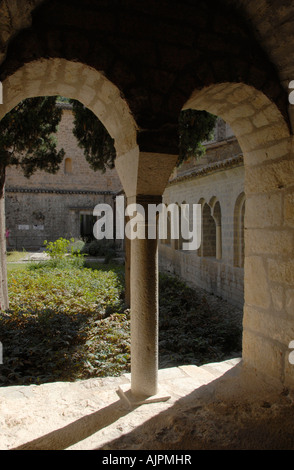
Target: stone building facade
[
  {"x": 46, "y": 207},
  {"x": 217, "y": 183}
]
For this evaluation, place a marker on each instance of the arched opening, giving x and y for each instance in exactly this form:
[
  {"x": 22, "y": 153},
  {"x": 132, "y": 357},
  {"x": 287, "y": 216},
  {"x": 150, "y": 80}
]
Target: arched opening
[
  {"x": 57, "y": 77},
  {"x": 209, "y": 232},
  {"x": 217, "y": 216},
  {"x": 52, "y": 77},
  {"x": 263, "y": 135}
]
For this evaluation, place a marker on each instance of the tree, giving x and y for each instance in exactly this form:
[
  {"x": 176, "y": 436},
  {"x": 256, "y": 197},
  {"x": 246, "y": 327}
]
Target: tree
[
  {"x": 92, "y": 136},
  {"x": 27, "y": 141},
  {"x": 27, "y": 137},
  {"x": 195, "y": 127}
]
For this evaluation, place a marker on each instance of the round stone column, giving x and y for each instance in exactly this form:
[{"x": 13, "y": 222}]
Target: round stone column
[{"x": 144, "y": 309}]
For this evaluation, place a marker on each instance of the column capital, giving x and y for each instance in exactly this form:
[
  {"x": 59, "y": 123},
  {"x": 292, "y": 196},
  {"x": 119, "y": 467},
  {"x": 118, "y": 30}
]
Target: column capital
[{"x": 145, "y": 173}]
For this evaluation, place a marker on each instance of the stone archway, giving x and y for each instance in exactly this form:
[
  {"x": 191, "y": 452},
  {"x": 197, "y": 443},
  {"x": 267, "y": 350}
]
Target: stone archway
[
  {"x": 50, "y": 77},
  {"x": 266, "y": 142}
]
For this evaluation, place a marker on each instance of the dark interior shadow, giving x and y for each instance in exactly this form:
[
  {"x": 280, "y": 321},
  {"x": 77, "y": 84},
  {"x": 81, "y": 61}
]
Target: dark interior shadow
[{"x": 78, "y": 430}]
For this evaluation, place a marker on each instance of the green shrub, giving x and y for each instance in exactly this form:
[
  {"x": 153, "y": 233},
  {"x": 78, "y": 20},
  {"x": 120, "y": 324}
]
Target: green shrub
[
  {"x": 68, "y": 323},
  {"x": 99, "y": 248},
  {"x": 58, "y": 249},
  {"x": 77, "y": 247}
]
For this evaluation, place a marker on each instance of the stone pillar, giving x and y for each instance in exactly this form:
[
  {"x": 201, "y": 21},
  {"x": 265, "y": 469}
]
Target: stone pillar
[
  {"x": 144, "y": 177},
  {"x": 144, "y": 310}
]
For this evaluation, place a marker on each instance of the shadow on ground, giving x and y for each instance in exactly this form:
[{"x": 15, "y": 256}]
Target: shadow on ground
[{"x": 234, "y": 412}]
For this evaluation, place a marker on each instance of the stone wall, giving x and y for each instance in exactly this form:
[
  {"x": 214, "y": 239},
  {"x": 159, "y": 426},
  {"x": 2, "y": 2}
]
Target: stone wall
[
  {"x": 33, "y": 217},
  {"x": 214, "y": 266}
]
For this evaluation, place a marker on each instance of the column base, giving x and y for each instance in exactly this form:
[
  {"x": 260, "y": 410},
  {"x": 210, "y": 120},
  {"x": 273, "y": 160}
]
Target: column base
[{"x": 131, "y": 401}]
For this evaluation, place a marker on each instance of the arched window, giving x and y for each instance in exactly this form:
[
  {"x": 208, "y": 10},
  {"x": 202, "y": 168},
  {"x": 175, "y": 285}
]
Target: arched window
[
  {"x": 239, "y": 243},
  {"x": 68, "y": 166},
  {"x": 208, "y": 233},
  {"x": 181, "y": 215},
  {"x": 178, "y": 241},
  {"x": 167, "y": 240},
  {"x": 217, "y": 216},
  {"x": 200, "y": 249}
]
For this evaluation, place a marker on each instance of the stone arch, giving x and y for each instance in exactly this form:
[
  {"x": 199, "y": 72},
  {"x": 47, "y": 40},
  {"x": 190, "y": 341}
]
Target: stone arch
[
  {"x": 50, "y": 77},
  {"x": 266, "y": 142},
  {"x": 256, "y": 121},
  {"x": 239, "y": 216}
]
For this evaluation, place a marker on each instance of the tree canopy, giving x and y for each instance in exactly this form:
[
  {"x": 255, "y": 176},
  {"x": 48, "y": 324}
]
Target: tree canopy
[
  {"x": 93, "y": 138},
  {"x": 27, "y": 137},
  {"x": 195, "y": 127}
]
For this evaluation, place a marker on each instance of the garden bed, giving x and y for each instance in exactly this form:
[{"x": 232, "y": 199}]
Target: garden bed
[{"x": 68, "y": 322}]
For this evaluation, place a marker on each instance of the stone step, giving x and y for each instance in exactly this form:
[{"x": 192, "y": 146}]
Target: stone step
[{"x": 219, "y": 368}]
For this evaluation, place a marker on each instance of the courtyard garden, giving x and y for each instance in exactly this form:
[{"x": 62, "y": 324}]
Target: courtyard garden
[{"x": 67, "y": 321}]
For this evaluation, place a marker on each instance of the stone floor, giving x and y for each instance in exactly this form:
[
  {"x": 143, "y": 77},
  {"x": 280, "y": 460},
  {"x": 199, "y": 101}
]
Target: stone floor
[
  {"x": 215, "y": 406},
  {"x": 89, "y": 414}
]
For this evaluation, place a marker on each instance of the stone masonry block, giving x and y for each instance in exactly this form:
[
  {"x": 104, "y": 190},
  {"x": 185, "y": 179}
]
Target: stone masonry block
[
  {"x": 263, "y": 211},
  {"x": 256, "y": 293},
  {"x": 270, "y": 177},
  {"x": 281, "y": 271},
  {"x": 267, "y": 242}
]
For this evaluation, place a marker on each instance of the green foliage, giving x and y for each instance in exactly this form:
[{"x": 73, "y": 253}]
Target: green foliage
[
  {"x": 195, "y": 127},
  {"x": 59, "y": 248},
  {"x": 103, "y": 248},
  {"x": 64, "y": 324},
  {"x": 62, "y": 253},
  {"x": 27, "y": 136},
  {"x": 68, "y": 323},
  {"x": 93, "y": 138},
  {"x": 77, "y": 247}
]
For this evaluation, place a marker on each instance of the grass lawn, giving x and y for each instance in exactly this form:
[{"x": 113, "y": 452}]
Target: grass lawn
[
  {"x": 14, "y": 256},
  {"x": 67, "y": 322}
]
